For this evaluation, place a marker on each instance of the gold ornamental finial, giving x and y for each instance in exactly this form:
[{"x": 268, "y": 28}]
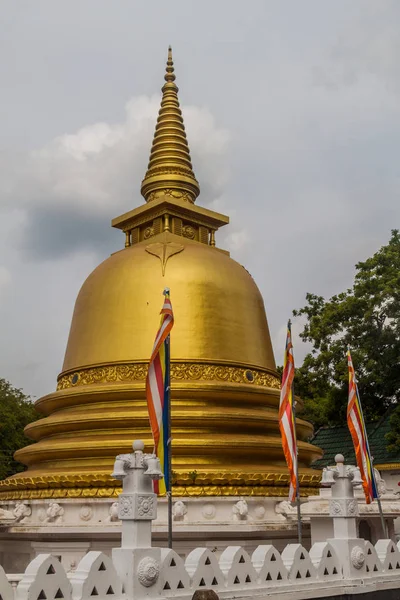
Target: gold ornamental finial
[
  {"x": 169, "y": 75},
  {"x": 170, "y": 169}
]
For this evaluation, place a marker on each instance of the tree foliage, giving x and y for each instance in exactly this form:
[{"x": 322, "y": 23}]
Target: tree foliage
[
  {"x": 16, "y": 411},
  {"x": 367, "y": 318},
  {"x": 393, "y": 437}
]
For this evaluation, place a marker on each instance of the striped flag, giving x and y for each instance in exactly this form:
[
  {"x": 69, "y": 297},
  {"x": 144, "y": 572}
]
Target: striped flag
[
  {"x": 286, "y": 416},
  {"x": 356, "y": 424},
  {"x": 157, "y": 393}
]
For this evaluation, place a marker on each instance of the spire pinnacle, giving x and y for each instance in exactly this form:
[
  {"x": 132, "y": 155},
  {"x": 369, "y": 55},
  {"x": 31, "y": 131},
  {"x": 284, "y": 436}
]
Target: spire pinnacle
[
  {"x": 169, "y": 75},
  {"x": 170, "y": 170}
]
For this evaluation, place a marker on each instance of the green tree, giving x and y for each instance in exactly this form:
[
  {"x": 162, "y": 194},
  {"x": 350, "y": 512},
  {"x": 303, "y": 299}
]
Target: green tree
[
  {"x": 393, "y": 437},
  {"x": 366, "y": 317},
  {"x": 16, "y": 411},
  {"x": 314, "y": 396}
]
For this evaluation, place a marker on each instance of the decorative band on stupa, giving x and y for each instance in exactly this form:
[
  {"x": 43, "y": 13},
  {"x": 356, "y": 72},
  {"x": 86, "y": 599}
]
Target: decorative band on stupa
[{"x": 180, "y": 371}]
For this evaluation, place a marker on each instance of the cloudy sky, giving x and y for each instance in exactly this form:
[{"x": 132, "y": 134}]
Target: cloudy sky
[{"x": 292, "y": 111}]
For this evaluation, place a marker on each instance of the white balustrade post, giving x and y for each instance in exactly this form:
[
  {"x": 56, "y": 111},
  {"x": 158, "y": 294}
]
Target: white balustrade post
[
  {"x": 136, "y": 562},
  {"x": 343, "y": 508}
]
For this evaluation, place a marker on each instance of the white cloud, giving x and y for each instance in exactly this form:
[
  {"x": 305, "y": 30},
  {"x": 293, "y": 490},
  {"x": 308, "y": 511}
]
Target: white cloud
[
  {"x": 94, "y": 174},
  {"x": 236, "y": 240},
  {"x": 209, "y": 145}
]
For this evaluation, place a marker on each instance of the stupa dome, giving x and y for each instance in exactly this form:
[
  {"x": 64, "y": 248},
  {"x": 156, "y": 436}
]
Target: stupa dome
[
  {"x": 224, "y": 385},
  {"x": 219, "y": 312}
]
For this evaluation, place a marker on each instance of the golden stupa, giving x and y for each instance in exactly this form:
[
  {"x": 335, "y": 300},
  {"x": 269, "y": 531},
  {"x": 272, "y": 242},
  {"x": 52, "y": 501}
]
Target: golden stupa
[{"x": 225, "y": 389}]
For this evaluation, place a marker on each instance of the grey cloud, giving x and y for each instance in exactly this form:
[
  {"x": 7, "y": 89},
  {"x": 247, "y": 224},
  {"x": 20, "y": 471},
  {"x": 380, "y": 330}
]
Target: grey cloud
[
  {"x": 54, "y": 233},
  {"x": 72, "y": 187},
  {"x": 368, "y": 46}
]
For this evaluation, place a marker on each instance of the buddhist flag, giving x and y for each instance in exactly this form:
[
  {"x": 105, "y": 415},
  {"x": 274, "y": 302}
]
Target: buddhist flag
[
  {"x": 286, "y": 416},
  {"x": 356, "y": 424},
  {"x": 158, "y": 393}
]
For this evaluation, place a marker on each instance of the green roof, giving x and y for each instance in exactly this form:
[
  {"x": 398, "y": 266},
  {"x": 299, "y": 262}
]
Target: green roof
[{"x": 337, "y": 440}]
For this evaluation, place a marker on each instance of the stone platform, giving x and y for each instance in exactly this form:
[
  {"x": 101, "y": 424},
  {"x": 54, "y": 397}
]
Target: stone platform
[
  {"x": 70, "y": 527},
  {"x": 339, "y": 567}
]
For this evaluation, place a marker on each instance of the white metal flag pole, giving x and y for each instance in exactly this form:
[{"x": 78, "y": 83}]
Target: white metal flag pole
[{"x": 299, "y": 528}]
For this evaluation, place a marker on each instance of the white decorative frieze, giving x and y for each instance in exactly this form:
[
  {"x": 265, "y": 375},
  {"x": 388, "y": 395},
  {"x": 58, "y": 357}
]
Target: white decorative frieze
[
  {"x": 343, "y": 507},
  {"x": 125, "y": 507},
  {"x": 22, "y": 511},
  {"x": 179, "y": 510},
  {"x": 259, "y": 512},
  {"x": 357, "y": 557},
  {"x": 240, "y": 510},
  {"x": 112, "y": 516},
  {"x": 148, "y": 571},
  {"x": 141, "y": 507},
  {"x": 86, "y": 512},
  {"x": 145, "y": 507},
  {"x": 209, "y": 511},
  {"x": 286, "y": 509},
  {"x": 54, "y": 513}
]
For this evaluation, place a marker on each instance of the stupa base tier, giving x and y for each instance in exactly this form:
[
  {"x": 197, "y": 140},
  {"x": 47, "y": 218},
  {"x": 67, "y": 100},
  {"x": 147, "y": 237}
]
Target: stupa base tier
[
  {"x": 274, "y": 483},
  {"x": 69, "y": 528}
]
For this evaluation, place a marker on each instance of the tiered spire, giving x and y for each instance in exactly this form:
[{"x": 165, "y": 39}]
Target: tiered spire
[{"x": 170, "y": 170}]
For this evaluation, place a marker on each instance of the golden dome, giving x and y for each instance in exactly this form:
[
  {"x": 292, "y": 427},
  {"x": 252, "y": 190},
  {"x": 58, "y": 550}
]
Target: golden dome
[
  {"x": 219, "y": 311},
  {"x": 225, "y": 390}
]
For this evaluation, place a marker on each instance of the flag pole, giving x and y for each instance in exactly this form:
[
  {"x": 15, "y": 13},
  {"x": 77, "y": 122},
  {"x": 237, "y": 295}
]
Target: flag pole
[
  {"x": 159, "y": 371},
  {"x": 383, "y": 523},
  {"x": 169, "y": 438},
  {"x": 373, "y": 479},
  {"x": 299, "y": 529}
]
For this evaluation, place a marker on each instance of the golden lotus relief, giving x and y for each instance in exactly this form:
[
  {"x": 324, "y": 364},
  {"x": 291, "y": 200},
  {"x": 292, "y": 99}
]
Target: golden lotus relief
[
  {"x": 171, "y": 193},
  {"x": 148, "y": 233},
  {"x": 179, "y": 372},
  {"x": 179, "y": 170},
  {"x": 164, "y": 251},
  {"x": 192, "y": 491},
  {"x": 206, "y": 484},
  {"x": 188, "y": 232}
]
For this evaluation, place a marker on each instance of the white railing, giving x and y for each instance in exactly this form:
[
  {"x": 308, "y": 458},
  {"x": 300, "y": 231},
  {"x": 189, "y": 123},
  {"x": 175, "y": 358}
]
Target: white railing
[
  {"x": 138, "y": 571},
  {"x": 236, "y": 574}
]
